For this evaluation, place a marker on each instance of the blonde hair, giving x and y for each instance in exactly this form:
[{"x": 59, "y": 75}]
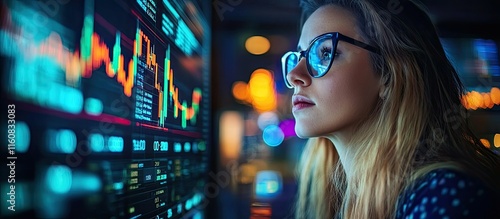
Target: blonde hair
[{"x": 416, "y": 128}]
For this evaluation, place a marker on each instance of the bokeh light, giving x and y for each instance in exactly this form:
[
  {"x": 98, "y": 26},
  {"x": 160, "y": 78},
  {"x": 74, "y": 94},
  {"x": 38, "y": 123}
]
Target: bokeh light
[
  {"x": 495, "y": 95},
  {"x": 267, "y": 118},
  {"x": 231, "y": 133},
  {"x": 496, "y": 140},
  {"x": 474, "y": 100},
  {"x": 61, "y": 141},
  {"x": 96, "y": 142},
  {"x": 257, "y": 45},
  {"x": 268, "y": 184},
  {"x": 93, "y": 106},
  {"x": 288, "y": 128},
  {"x": 240, "y": 90},
  {"x": 485, "y": 142},
  {"x": 262, "y": 90},
  {"x": 59, "y": 179},
  {"x": 23, "y": 137},
  {"x": 273, "y": 136}
]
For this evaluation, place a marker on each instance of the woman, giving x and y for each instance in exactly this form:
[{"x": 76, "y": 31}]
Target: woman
[{"x": 381, "y": 104}]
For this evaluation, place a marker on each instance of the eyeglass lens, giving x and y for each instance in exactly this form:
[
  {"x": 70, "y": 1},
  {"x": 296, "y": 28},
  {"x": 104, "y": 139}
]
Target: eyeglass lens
[{"x": 319, "y": 57}]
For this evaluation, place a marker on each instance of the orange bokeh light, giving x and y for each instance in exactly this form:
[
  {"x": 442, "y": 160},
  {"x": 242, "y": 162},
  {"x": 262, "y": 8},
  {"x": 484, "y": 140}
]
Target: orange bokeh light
[
  {"x": 496, "y": 140},
  {"x": 257, "y": 45},
  {"x": 474, "y": 100},
  {"x": 485, "y": 142},
  {"x": 495, "y": 95},
  {"x": 240, "y": 90},
  {"x": 259, "y": 92}
]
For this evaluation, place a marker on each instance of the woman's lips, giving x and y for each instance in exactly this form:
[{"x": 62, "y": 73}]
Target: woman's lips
[
  {"x": 300, "y": 106},
  {"x": 300, "y": 102}
]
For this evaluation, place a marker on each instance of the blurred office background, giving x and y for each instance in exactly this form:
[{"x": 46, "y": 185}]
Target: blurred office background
[{"x": 225, "y": 148}]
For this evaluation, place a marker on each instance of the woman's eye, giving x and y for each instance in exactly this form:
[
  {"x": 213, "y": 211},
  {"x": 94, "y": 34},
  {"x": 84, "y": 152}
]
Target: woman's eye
[{"x": 326, "y": 54}]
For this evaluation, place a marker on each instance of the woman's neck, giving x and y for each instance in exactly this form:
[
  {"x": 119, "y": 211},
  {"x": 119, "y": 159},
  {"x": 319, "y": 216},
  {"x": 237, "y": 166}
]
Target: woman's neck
[{"x": 344, "y": 149}]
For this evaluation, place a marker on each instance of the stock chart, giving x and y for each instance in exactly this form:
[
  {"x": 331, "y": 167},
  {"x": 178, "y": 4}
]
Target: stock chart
[{"x": 108, "y": 107}]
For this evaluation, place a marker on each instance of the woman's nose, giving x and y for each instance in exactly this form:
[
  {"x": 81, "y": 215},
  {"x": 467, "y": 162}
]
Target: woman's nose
[{"x": 299, "y": 75}]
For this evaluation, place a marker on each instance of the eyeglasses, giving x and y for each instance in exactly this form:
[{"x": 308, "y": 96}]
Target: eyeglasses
[{"x": 320, "y": 54}]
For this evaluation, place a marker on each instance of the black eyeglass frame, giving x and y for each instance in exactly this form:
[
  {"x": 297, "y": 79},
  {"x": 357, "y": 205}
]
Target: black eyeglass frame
[{"x": 335, "y": 37}]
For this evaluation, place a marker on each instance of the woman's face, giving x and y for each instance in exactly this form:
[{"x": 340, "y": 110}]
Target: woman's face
[{"x": 346, "y": 95}]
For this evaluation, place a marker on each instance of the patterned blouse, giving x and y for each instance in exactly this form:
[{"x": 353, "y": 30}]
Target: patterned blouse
[{"x": 449, "y": 194}]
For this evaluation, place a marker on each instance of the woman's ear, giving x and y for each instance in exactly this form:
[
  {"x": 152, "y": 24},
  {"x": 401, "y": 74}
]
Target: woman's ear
[
  {"x": 383, "y": 92},
  {"x": 384, "y": 82}
]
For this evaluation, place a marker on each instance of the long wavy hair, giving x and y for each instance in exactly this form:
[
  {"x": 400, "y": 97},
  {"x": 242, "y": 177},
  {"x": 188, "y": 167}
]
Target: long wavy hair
[{"x": 419, "y": 125}]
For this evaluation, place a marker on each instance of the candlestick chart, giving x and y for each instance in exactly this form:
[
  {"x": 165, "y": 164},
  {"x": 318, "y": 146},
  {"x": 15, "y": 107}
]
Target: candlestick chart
[{"x": 160, "y": 103}]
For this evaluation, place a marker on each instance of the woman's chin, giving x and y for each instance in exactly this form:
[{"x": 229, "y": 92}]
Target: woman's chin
[{"x": 301, "y": 133}]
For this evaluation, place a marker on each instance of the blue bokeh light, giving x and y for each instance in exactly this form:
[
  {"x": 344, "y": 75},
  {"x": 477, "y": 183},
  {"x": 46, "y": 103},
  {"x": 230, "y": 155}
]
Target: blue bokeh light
[{"x": 273, "y": 135}]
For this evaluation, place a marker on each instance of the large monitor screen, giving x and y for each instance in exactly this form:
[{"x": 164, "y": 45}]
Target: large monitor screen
[{"x": 106, "y": 108}]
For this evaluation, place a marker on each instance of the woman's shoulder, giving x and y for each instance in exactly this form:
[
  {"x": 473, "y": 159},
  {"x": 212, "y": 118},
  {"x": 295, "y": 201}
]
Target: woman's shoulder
[{"x": 448, "y": 193}]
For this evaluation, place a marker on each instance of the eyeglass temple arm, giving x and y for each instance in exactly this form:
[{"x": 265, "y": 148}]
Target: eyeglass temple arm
[{"x": 358, "y": 43}]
